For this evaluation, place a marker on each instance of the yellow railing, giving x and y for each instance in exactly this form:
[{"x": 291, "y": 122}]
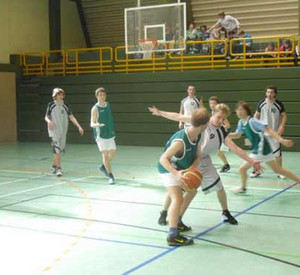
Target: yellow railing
[{"x": 209, "y": 54}]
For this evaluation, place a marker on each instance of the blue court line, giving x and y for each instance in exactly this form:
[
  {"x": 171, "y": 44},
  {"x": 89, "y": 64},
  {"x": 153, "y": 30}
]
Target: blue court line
[
  {"x": 160, "y": 255},
  {"x": 84, "y": 237}
]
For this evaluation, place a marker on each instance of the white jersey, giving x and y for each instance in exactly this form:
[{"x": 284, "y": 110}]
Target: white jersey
[
  {"x": 212, "y": 139},
  {"x": 189, "y": 106},
  {"x": 270, "y": 112},
  {"x": 229, "y": 23}
]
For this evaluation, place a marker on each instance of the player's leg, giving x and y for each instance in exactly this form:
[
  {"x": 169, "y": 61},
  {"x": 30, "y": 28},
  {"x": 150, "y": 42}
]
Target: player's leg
[
  {"x": 174, "y": 238},
  {"x": 56, "y": 148},
  {"x": 282, "y": 171},
  {"x": 226, "y": 166},
  {"x": 243, "y": 172},
  {"x": 226, "y": 215},
  {"x": 187, "y": 198},
  {"x": 164, "y": 213}
]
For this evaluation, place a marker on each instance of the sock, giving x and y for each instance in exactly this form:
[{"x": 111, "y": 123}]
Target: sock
[
  {"x": 103, "y": 167},
  {"x": 225, "y": 211},
  {"x": 164, "y": 212},
  {"x": 54, "y": 166},
  {"x": 111, "y": 175},
  {"x": 173, "y": 231},
  {"x": 180, "y": 219}
]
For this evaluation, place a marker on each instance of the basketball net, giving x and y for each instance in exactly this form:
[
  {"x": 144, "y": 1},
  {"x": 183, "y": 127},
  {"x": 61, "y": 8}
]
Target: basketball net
[{"x": 147, "y": 45}]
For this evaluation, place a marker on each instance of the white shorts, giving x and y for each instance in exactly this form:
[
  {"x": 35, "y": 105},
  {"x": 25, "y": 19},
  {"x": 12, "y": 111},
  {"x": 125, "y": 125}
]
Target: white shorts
[
  {"x": 275, "y": 146},
  {"x": 58, "y": 144},
  {"x": 169, "y": 179},
  {"x": 261, "y": 158},
  {"x": 211, "y": 181},
  {"x": 106, "y": 144}
]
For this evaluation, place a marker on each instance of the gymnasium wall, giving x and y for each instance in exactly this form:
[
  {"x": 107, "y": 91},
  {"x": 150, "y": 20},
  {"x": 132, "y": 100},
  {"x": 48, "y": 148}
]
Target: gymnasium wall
[
  {"x": 24, "y": 26},
  {"x": 8, "y": 110},
  {"x": 131, "y": 94}
]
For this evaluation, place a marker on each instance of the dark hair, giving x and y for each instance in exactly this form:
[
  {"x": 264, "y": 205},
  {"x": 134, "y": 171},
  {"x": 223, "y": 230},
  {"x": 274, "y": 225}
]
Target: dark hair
[
  {"x": 214, "y": 98},
  {"x": 203, "y": 26},
  {"x": 241, "y": 32},
  {"x": 221, "y": 13},
  {"x": 288, "y": 42},
  {"x": 274, "y": 88},
  {"x": 200, "y": 117},
  {"x": 245, "y": 106},
  {"x": 192, "y": 23}
]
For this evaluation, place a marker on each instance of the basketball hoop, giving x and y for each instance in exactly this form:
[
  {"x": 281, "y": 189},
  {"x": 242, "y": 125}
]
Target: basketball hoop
[{"x": 147, "y": 45}]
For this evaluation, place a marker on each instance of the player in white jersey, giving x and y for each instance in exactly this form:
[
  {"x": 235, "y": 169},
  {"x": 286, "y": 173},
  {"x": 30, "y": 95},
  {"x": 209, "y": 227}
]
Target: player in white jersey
[
  {"x": 57, "y": 117},
  {"x": 212, "y": 139},
  {"x": 272, "y": 112},
  {"x": 189, "y": 105}
]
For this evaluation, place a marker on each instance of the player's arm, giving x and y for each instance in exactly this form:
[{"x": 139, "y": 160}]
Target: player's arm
[
  {"x": 257, "y": 114},
  {"x": 241, "y": 153},
  {"x": 165, "y": 160},
  {"x": 75, "y": 122},
  {"x": 238, "y": 133},
  {"x": 181, "y": 111},
  {"x": 94, "y": 118},
  {"x": 48, "y": 119},
  {"x": 214, "y": 26},
  {"x": 169, "y": 115},
  {"x": 283, "y": 119},
  {"x": 280, "y": 139}
]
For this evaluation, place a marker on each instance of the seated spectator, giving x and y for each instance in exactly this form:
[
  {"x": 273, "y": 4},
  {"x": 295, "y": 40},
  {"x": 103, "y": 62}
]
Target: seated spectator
[
  {"x": 286, "y": 46},
  {"x": 219, "y": 47},
  {"x": 230, "y": 24},
  {"x": 192, "y": 35},
  {"x": 270, "y": 48},
  {"x": 204, "y": 34},
  {"x": 239, "y": 45}
]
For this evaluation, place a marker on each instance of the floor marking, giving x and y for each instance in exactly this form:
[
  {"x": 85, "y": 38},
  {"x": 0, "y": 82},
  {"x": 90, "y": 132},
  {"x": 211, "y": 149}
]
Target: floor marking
[
  {"x": 170, "y": 250},
  {"x": 22, "y": 179}
]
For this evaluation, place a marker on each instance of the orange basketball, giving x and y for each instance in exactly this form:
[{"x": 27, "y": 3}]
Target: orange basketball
[{"x": 194, "y": 178}]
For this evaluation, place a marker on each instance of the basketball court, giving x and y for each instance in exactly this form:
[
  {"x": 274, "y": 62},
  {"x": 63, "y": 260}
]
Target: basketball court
[{"x": 79, "y": 224}]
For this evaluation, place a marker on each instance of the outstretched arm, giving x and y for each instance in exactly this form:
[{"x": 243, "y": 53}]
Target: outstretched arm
[
  {"x": 169, "y": 115},
  {"x": 280, "y": 139}
]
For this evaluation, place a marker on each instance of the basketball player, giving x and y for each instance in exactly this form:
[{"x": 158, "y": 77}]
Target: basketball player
[
  {"x": 212, "y": 139},
  {"x": 255, "y": 131},
  {"x": 213, "y": 102},
  {"x": 102, "y": 123},
  {"x": 189, "y": 105},
  {"x": 57, "y": 117},
  {"x": 272, "y": 112},
  {"x": 180, "y": 153}
]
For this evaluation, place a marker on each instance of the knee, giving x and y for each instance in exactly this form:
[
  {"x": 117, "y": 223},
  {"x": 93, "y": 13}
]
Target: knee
[
  {"x": 242, "y": 169},
  {"x": 193, "y": 193},
  {"x": 105, "y": 155}
]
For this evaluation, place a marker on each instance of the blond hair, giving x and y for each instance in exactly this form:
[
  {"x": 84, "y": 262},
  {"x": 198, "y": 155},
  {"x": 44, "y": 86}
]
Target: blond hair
[
  {"x": 101, "y": 89},
  {"x": 223, "y": 108},
  {"x": 200, "y": 117}
]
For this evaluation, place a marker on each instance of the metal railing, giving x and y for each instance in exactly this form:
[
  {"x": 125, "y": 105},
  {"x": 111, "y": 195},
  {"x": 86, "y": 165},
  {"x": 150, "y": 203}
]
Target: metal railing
[{"x": 209, "y": 54}]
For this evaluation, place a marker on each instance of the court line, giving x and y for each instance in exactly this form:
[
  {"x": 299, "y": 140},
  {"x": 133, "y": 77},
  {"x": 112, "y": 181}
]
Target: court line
[
  {"x": 190, "y": 207},
  {"x": 22, "y": 179},
  {"x": 170, "y": 250},
  {"x": 84, "y": 237},
  {"x": 27, "y": 200},
  {"x": 249, "y": 251}
]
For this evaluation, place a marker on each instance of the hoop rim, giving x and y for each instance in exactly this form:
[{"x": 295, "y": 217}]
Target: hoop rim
[{"x": 153, "y": 40}]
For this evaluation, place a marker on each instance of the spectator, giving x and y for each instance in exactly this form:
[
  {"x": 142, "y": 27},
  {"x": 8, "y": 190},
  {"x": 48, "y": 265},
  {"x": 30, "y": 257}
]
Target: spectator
[
  {"x": 192, "y": 35},
  {"x": 239, "y": 45},
  {"x": 204, "y": 34},
  {"x": 219, "y": 47},
  {"x": 270, "y": 49},
  {"x": 230, "y": 24}
]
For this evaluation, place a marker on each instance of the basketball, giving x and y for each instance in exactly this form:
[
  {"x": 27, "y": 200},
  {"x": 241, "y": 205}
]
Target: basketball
[{"x": 194, "y": 178}]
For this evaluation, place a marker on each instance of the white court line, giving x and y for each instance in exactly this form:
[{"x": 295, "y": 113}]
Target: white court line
[
  {"x": 83, "y": 178},
  {"x": 13, "y": 181},
  {"x": 264, "y": 189},
  {"x": 24, "y": 172}
]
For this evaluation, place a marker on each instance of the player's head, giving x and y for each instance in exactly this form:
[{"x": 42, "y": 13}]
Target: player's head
[
  {"x": 271, "y": 92},
  {"x": 221, "y": 14},
  {"x": 221, "y": 112},
  {"x": 191, "y": 91},
  {"x": 200, "y": 118},
  {"x": 213, "y": 102},
  {"x": 243, "y": 109},
  {"x": 58, "y": 93},
  {"x": 100, "y": 94}
]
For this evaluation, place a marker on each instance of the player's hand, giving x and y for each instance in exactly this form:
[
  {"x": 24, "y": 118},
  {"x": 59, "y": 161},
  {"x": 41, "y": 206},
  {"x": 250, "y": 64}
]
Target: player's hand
[
  {"x": 287, "y": 142},
  {"x": 80, "y": 131},
  {"x": 280, "y": 130},
  {"x": 181, "y": 178},
  {"x": 154, "y": 111},
  {"x": 51, "y": 125},
  {"x": 257, "y": 167}
]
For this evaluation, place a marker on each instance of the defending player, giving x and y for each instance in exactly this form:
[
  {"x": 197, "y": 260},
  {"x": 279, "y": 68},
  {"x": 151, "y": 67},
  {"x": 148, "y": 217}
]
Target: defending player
[
  {"x": 180, "y": 153},
  {"x": 102, "y": 123},
  {"x": 212, "y": 139},
  {"x": 272, "y": 112},
  {"x": 255, "y": 131},
  {"x": 57, "y": 117},
  {"x": 189, "y": 105}
]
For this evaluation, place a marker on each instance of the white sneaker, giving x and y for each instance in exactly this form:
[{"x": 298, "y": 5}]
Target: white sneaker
[
  {"x": 59, "y": 172},
  {"x": 239, "y": 190},
  {"x": 254, "y": 174},
  {"x": 53, "y": 170},
  {"x": 111, "y": 181},
  {"x": 281, "y": 177}
]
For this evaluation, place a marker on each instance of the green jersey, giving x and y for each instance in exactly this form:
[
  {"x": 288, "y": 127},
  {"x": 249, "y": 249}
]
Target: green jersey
[
  {"x": 189, "y": 151},
  {"x": 253, "y": 129},
  {"x": 104, "y": 117}
]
